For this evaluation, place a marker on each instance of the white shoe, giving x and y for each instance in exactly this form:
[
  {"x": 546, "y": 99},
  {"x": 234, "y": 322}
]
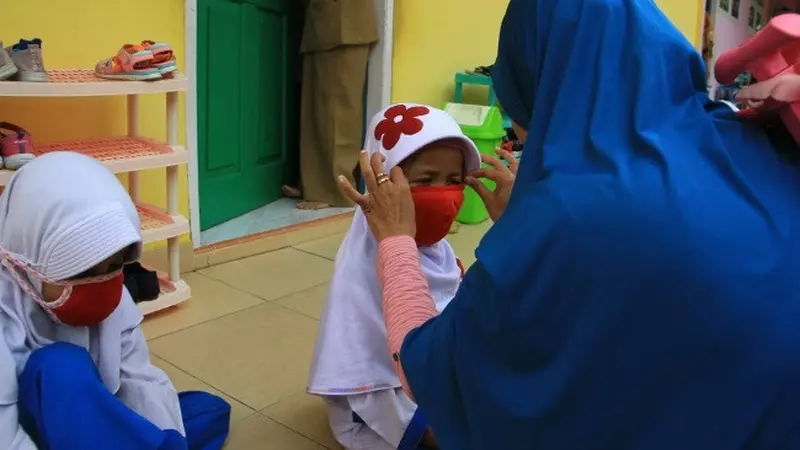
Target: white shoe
[{"x": 14, "y": 162}]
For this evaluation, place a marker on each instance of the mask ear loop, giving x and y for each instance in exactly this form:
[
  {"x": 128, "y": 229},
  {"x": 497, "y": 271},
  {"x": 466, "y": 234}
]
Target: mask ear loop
[
  {"x": 14, "y": 264},
  {"x": 25, "y": 285}
]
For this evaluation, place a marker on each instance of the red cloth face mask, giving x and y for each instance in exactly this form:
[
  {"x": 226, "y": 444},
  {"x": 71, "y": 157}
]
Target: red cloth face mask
[
  {"x": 83, "y": 302},
  {"x": 436, "y": 207},
  {"x": 88, "y": 302}
]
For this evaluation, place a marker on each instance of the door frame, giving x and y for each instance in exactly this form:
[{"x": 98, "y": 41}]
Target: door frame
[
  {"x": 703, "y": 5},
  {"x": 379, "y": 90}
]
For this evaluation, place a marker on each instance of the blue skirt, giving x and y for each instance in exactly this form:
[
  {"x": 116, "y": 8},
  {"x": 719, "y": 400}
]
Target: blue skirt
[{"x": 63, "y": 404}]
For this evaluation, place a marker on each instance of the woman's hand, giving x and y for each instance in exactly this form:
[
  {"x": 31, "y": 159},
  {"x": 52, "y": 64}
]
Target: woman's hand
[
  {"x": 503, "y": 177},
  {"x": 783, "y": 88},
  {"x": 388, "y": 204}
]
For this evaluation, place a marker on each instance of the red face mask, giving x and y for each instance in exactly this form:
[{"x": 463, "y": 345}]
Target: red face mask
[
  {"x": 88, "y": 302},
  {"x": 83, "y": 302},
  {"x": 436, "y": 207}
]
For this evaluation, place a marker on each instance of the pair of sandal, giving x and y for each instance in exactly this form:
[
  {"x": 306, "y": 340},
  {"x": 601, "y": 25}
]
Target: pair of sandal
[{"x": 147, "y": 61}]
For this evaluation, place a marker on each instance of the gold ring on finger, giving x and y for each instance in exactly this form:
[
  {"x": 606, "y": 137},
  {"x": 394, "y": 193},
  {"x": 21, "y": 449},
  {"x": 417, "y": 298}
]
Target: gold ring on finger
[{"x": 382, "y": 179}]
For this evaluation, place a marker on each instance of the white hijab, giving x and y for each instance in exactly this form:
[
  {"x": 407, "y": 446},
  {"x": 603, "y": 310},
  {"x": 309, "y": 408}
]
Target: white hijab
[
  {"x": 62, "y": 214},
  {"x": 351, "y": 353}
]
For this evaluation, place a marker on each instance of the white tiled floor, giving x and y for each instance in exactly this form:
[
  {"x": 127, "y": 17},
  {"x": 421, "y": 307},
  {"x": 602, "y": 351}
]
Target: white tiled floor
[
  {"x": 278, "y": 214},
  {"x": 247, "y": 335}
]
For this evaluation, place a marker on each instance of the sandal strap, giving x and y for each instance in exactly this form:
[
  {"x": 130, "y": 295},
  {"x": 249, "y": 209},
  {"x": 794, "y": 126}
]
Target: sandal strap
[
  {"x": 12, "y": 127},
  {"x": 131, "y": 55}
]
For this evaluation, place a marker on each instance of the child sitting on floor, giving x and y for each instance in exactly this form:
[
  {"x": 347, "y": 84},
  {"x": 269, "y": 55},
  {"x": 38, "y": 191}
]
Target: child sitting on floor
[
  {"x": 75, "y": 371},
  {"x": 352, "y": 369}
]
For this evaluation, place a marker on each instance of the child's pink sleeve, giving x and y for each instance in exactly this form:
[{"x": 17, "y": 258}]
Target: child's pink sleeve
[{"x": 407, "y": 301}]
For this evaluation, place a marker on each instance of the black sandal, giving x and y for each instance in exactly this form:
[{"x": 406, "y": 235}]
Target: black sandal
[{"x": 142, "y": 284}]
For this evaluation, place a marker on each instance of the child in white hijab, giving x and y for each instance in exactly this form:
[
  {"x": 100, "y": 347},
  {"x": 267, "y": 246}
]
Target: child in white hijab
[
  {"x": 351, "y": 369},
  {"x": 75, "y": 371}
]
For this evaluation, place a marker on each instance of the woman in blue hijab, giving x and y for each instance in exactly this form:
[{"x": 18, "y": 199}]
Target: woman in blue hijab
[{"x": 641, "y": 289}]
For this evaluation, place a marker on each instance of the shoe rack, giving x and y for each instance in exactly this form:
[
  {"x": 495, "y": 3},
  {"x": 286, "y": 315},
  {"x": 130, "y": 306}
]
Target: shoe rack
[{"x": 129, "y": 154}]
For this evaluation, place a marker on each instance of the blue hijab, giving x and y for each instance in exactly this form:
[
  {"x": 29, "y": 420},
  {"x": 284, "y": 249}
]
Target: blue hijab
[{"x": 642, "y": 289}]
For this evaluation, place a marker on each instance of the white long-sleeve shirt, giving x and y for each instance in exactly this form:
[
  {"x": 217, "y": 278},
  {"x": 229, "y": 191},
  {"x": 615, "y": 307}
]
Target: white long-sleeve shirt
[
  {"x": 12, "y": 436},
  {"x": 117, "y": 345}
]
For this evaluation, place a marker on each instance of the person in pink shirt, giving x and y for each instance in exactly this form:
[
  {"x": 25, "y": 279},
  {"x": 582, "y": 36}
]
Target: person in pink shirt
[
  {"x": 408, "y": 300},
  {"x": 351, "y": 368}
]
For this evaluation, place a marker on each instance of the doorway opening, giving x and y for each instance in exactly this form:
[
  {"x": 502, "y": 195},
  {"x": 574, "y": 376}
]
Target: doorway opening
[{"x": 248, "y": 81}]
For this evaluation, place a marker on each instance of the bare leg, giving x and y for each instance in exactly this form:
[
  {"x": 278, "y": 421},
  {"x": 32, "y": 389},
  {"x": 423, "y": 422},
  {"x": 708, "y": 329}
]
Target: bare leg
[
  {"x": 312, "y": 206},
  {"x": 291, "y": 192}
]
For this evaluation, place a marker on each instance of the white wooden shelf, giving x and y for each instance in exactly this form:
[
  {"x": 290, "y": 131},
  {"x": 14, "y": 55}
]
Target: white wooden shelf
[
  {"x": 166, "y": 300},
  {"x": 112, "y": 153},
  {"x": 158, "y": 225},
  {"x": 178, "y": 227},
  {"x": 175, "y": 157},
  {"x": 130, "y": 154},
  {"x": 84, "y": 83}
]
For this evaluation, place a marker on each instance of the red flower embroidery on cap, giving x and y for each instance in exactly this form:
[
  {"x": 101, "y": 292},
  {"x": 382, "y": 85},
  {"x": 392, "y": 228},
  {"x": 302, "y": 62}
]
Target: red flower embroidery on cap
[{"x": 399, "y": 120}]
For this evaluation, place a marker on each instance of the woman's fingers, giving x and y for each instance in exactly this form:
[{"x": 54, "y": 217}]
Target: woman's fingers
[
  {"x": 754, "y": 104},
  {"x": 483, "y": 191},
  {"x": 352, "y": 193},
  {"x": 494, "y": 162},
  {"x": 366, "y": 171},
  {"x": 513, "y": 164},
  {"x": 398, "y": 177},
  {"x": 376, "y": 162},
  {"x": 491, "y": 174}
]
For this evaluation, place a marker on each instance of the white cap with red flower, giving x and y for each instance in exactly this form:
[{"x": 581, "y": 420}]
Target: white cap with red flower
[{"x": 401, "y": 130}]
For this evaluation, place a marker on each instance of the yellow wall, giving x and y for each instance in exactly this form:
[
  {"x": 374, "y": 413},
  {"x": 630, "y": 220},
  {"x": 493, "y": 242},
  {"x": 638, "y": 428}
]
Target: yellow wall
[
  {"x": 687, "y": 15},
  {"x": 434, "y": 39},
  {"x": 77, "y": 33}
]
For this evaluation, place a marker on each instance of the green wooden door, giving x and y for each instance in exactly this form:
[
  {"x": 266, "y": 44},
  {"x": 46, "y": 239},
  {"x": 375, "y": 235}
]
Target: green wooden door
[{"x": 247, "y": 55}]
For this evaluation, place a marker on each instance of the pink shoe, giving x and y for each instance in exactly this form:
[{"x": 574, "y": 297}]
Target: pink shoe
[
  {"x": 16, "y": 148},
  {"x": 132, "y": 63},
  {"x": 163, "y": 57}
]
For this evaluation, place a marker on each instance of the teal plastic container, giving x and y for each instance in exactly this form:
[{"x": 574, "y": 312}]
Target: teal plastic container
[{"x": 484, "y": 125}]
